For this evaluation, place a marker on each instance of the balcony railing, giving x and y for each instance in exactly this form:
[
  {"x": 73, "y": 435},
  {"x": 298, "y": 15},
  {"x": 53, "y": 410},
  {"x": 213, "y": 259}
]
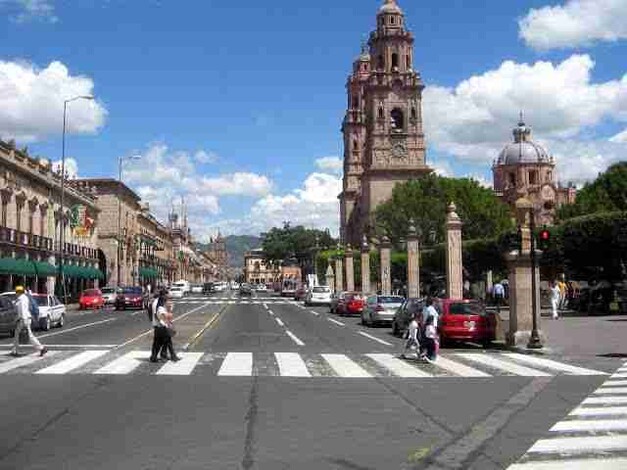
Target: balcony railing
[{"x": 23, "y": 239}]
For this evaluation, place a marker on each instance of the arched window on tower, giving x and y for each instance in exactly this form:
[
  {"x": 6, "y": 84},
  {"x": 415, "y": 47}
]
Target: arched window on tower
[
  {"x": 380, "y": 112},
  {"x": 397, "y": 120},
  {"x": 355, "y": 101},
  {"x": 408, "y": 61},
  {"x": 414, "y": 114},
  {"x": 380, "y": 63},
  {"x": 395, "y": 61},
  {"x": 355, "y": 145},
  {"x": 392, "y": 20}
]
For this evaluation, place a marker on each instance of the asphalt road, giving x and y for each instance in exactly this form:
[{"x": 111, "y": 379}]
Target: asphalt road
[{"x": 269, "y": 385}]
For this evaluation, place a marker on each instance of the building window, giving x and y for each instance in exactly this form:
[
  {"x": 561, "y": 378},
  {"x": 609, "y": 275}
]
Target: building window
[
  {"x": 355, "y": 101},
  {"x": 414, "y": 114},
  {"x": 18, "y": 215},
  {"x": 392, "y": 20},
  {"x": 398, "y": 121},
  {"x": 512, "y": 179},
  {"x": 380, "y": 112},
  {"x": 395, "y": 61},
  {"x": 380, "y": 62},
  {"x": 42, "y": 221},
  {"x": 408, "y": 61},
  {"x": 533, "y": 177},
  {"x": 355, "y": 145},
  {"x": 31, "y": 220},
  {"x": 5, "y": 210}
]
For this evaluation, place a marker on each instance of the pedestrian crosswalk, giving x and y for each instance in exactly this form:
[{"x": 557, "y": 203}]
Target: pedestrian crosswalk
[
  {"x": 235, "y": 300},
  {"x": 593, "y": 436},
  {"x": 303, "y": 365}
]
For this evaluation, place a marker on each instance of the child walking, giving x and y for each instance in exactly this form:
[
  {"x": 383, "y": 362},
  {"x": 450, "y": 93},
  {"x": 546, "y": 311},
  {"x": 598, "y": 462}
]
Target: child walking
[
  {"x": 430, "y": 340},
  {"x": 411, "y": 343}
]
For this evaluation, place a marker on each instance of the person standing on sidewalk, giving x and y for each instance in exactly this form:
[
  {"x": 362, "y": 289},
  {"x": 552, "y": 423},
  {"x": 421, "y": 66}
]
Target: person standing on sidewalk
[
  {"x": 22, "y": 304},
  {"x": 555, "y": 299},
  {"x": 498, "y": 291}
]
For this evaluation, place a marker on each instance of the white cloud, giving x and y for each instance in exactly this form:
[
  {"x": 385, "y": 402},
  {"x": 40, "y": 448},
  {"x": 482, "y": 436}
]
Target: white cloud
[
  {"x": 202, "y": 157},
  {"x": 22, "y": 11},
  {"x": 31, "y": 101},
  {"x": 71, "y": 167},
  {"x": 581, "y": 161},
  {"x": 242, "y": 184},
  {"x": 621, "y": 137},
  {"x": 574, "y": 23},
  {"x": 332, "y": 164}
]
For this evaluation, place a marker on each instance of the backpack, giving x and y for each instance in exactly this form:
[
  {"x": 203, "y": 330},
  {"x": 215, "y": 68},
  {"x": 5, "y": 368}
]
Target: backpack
[{"x": 33, "y": 306}]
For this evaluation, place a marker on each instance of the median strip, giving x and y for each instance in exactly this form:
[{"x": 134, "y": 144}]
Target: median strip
[{"x": 205, "y": 327}]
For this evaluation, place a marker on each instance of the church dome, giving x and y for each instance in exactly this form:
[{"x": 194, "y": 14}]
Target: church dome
[
  {"x": 523, "y": 149},
  {"x": 390, "y": 6}
]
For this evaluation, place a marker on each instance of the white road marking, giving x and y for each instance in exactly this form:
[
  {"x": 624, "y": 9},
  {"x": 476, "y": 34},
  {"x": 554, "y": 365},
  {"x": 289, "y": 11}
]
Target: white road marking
[
  {"x": 314, "y": 312},
  {"x": 489, "y": 360},
  {"x": 291, "y": 365},
  {"x": 333, "y": 320},
  {"x": 124, "y": 364},
  {"x": 458, "y": 368},
  {"x": 605, "y": 411},
  {"x": 590, "y": 425},
  {"x": 605, "y": 401},
  {"x": 294, "y": 338},
  {"x": 374, "y": 338},
  {"x": 73, "y": 362},
  {"x": 614, "y": 383},
  {"x": 237, "y": 364},
  {"x": 185, "y": 366},
  {"x": 79, "y": 327},
  {"x": 265, "y": 306},
  {"x": 70, "y": 346},
  {"x": 549, "y": 364},
  {"x": 271, "y": 312},
  {"x": 581, "y": 445},
  {"x": 584, "y": 464},
  {"x": 396, "y": 366},
  {"x": 611, "y": 391},
  {"x": 23, "y": 361},
  {"x": 279, "y": 321},
  {"x": 345, "y": 367}
]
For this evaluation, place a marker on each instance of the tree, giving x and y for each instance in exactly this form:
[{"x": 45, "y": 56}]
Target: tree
[
  {"x": 607, "y": 193},
  {"x": 426, "y": 200},
  {"x": 283, "y": 244}
]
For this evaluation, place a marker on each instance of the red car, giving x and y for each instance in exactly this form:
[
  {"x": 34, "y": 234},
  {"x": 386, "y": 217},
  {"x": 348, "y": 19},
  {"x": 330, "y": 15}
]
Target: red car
[
  {"x": 91, "y": 298},
  {"x": 465, "y": 320},
  {"x": 352, "y": 303}
]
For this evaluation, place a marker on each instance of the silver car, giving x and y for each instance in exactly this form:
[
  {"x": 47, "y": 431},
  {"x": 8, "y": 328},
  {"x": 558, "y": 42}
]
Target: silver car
[{"x": 380, "y": 309}]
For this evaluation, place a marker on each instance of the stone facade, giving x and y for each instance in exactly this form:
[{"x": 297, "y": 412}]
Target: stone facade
[
  {"x": 30, "y": 224},
  {"x": 383, "y": 136},
  {"x": 256, "y": 270},
  {"x": 524, "y": 169}
]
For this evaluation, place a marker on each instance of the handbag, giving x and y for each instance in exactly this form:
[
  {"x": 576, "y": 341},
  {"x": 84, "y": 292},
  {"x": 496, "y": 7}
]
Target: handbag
[{"x": 171, "y": 330}]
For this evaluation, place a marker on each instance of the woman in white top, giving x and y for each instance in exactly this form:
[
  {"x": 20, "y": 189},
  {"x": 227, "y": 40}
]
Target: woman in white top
[{"x": 412, "y": 343}]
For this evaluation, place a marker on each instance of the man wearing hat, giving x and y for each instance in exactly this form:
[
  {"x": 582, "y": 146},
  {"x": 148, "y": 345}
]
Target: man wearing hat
[{"x": 24, "y": 320}]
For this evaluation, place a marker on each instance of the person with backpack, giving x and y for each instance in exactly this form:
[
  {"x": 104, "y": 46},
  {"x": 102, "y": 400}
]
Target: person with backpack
[{"x": 23, "y": 306}]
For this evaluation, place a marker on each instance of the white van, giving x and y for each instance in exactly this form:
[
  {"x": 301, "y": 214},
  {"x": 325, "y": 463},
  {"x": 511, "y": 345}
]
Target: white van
[{"x": 184, "y": 285}]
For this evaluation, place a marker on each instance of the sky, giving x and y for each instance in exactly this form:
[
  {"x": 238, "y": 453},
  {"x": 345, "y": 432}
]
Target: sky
[{"x": 237, "y": 106}]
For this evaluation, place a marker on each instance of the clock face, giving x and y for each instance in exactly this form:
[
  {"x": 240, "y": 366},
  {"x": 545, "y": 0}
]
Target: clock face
[
  {"x": 399, "y": 150},
  {"x": 548, "y": 192}
]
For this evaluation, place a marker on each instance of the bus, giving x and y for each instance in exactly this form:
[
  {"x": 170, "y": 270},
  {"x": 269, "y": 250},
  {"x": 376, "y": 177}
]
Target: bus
[{"x": 288, "y": 287}]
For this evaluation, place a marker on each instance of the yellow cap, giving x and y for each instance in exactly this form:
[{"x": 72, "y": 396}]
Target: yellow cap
[{"x": 19, "y": 289}]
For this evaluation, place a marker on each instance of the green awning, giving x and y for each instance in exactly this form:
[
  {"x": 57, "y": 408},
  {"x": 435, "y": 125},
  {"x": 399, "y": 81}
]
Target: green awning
[
  {"x": 17, "y": 266},
  {"x": 148, "y": 273},
  {"x": 94, "y": 273},
  {"x": 44, "y": 269}
]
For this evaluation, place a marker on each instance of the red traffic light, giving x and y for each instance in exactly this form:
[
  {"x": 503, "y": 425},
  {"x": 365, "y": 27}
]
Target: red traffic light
[{"x": 545, "y": 235}]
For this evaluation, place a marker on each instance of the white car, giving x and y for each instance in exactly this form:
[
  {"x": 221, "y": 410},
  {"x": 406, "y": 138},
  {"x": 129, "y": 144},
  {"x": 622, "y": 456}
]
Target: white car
[
  {"x": 196, "y": 289},
  {"x": 261, "y": 288},
  {"x": 109, "y": 294},
  {"x": 176, "y": 292},
  {"x": 51, "y": 311},
  {"x": 320, "y": 295}
]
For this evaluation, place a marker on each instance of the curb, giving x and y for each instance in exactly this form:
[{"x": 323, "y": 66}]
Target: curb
[{"x": 205, "y": 327}]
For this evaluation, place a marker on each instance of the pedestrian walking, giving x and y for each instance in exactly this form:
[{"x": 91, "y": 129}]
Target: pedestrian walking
[
  {"x": 430, "y": 340},
  {"x": 23, "y": 306},
  {"x": 555, "y": 299},
  {"x": 168, "y": 319},
  {"x": 429, "y": 310},
  {"x": 159, "y": 326},
  {"x": 412, "y": 344},
  {"x": 563, "y": 290},
  {"x": 499, "y": 295}
]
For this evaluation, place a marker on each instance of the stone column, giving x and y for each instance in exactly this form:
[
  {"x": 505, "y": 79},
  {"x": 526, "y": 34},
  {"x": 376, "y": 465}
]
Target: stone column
[
  {"x": 350, "y": 268},
  {"x": 520, "y": 285},
  {"x": 339, "y": 278},
  {"x": 330, "y": 277},
  {"x": 386, "y": 277},
  {"x": 413, "y": 262},
  {"x": 365, "y": 266},
  {"x": 454, "y": 273}
]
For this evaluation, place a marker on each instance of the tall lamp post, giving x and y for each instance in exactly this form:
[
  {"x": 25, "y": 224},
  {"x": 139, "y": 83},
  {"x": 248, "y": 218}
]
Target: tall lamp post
[
  {"x": 535, "y": 342},
  {"x": 121, "y": 161},
  {"x": 62, "y": 202}
]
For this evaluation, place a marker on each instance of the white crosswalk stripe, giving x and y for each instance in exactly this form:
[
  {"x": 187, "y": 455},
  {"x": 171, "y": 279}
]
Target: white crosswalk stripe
[
  {"x": 299, "y": 364},
  {"x": 592, "y": 436}
]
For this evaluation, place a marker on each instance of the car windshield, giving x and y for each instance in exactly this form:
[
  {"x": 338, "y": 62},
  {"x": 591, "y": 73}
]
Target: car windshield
[
  {"x": 91, "y": 293},
  {"x": 133, "y": 290},
  {"x": 42, "y": 300},
  {"x": 390, "y": 300},
  {"x": 321, "y": 290},
  {"x": 466, "y": 308},
  {"x": 108, "y": 290}
]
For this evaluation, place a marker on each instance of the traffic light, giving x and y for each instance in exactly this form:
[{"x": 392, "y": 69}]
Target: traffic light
[{"x": 544, "y": 239}]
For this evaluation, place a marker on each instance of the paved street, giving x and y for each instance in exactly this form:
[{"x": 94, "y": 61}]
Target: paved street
[{"x": 268, "y": 383}]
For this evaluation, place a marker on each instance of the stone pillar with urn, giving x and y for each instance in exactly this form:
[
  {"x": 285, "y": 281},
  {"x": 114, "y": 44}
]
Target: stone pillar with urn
[
  {"x": 413, "y": 262},
  {"x": 339, "y": 277},
  {"x": 330, "y": 277},
  {"x": 454, "y": 273},
  {"x": 521, "y": 283},
  {"x": 385, "y": 250},
  {"x": 350, "y": 268},
  {"x": 365, "y": 265}
]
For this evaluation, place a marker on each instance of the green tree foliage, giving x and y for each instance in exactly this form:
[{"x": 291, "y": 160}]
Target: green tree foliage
[
  {"x": 280, "y": 244},
  {"x": 605, "y": 194},
  {"x": 426, "y": 200}
]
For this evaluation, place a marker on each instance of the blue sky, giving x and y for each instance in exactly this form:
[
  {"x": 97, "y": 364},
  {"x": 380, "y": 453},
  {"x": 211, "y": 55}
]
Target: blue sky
[{"x": 234, "y": 104}]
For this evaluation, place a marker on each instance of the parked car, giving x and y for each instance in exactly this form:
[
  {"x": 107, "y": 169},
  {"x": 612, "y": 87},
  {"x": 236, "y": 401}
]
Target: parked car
[
  {"x": 91, "y": 298},
  {"x": 465, "y": 320},
  {"x": 51, "y": 311},
  {"x": 196, "y": 289},
  {"x": 130, "y": 297},
  {"x": 404, "y": 314},
  {"x": 380, "y": 309},
  {"x": 320, "y": 295},
  {"x": 8, "y": 313},
  {"x": 245, "y": 290},
  {"x": 352, "y": 303},
  {"x": 109, "y": 294}
]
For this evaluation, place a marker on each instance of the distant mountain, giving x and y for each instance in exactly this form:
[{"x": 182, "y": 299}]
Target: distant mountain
[{"x": 237, "y": 245}]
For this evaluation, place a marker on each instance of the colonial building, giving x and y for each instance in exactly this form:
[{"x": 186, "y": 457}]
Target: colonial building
[
  {"x": 383, "y": 137},
  {"x": 31, "y": 221},
  {"x": 525, "y": 169},
  {"x": 217, "y": 253},
  {"x": 157, "y": 261},
  {"x": 257, "y": 270}
]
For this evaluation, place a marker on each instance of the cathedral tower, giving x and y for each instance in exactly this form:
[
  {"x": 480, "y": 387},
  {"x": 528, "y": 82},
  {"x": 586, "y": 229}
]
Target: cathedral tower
[{"x": 383, "y": 138}]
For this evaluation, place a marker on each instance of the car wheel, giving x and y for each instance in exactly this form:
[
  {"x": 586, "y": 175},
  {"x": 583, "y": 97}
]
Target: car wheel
[
  {"x": 363, "y": 321},
  {"x": 395, "y": 330},
  {"x": 61, "y": 321},
  {"x": 486, "y": 343},
  {"x": 11, "y": 333},
  {"x": 46, "y": 324}
]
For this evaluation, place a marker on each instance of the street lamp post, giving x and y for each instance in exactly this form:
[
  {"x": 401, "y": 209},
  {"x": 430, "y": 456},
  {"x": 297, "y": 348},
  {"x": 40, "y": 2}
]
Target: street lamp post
[
  {"x": 534, "y": 340},
  {"x": 62, "y": 202},
  {"x": 121, "y": 160}
]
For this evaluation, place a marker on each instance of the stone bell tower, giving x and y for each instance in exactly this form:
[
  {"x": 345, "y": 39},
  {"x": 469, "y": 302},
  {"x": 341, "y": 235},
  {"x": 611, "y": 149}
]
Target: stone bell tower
[{"x": 383, "y": 137}]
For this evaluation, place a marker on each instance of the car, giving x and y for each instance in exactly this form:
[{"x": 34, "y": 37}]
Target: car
[
  {"x": 91, "y": 298},
  {"x": 245, "y": 290},
  {"x": 380, "y": 309},
  {"x": 319, "y": 295},
  {"x": 109, "y": 294},
  {"x": 186, "y": 286},
  {"x": 352, "y": 303},
  {"x": 336, "y": 298},
  {"x": 130, "y": 297},
  {"x": 261, "y": 288},
  {"x": 8, "y": 313},
  {"x": 405, "y": 313},
  {"x": 176, "y": 292},
  {"x": 51, "y": 311},
  {"x": 465, "y": 320},
  {"x": 208, "y": 288},
  {"x": 196, "y": 289},
  {"x": 300, "y": 293}
]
